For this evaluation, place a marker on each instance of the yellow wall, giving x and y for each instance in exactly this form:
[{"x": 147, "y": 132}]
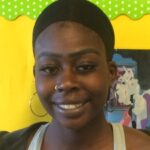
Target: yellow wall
[
  {"x": 16, "y": 78},
  {"x": 132, "y": 34},
  {"x": 16, "y": 61}
]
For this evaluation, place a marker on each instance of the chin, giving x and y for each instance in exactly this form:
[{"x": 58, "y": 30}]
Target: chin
[
  {"x": 74, "y": 126},
  {"x": 76, "y": 123},
  {"x": 77, "y": 120}
]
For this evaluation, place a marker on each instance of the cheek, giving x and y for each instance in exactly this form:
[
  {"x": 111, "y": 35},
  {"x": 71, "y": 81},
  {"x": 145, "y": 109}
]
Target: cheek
[
  {"x": 44, "y": 87},
  {"x": 98, "y": 81},
  {"x": 97, "y": 85},
  {"x": 45, "y": 90}
]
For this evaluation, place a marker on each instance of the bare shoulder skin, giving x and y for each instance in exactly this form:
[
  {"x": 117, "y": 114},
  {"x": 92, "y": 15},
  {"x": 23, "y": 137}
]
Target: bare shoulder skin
[{"x": 136, "y": 139}]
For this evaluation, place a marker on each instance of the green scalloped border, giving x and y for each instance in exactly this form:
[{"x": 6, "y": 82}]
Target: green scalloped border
[{"x": 135, "y": 9}]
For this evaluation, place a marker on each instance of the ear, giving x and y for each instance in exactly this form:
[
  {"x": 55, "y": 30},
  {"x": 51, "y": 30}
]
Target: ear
[{"x": 112, "y": 71}]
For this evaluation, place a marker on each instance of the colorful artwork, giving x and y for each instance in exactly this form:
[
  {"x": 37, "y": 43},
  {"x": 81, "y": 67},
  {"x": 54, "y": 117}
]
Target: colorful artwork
[{"x": 131, "y": 100}]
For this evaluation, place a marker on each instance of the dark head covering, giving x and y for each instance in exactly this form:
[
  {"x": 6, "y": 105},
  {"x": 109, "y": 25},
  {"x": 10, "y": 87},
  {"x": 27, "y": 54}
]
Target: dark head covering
[{"x": 80, "y": 11}]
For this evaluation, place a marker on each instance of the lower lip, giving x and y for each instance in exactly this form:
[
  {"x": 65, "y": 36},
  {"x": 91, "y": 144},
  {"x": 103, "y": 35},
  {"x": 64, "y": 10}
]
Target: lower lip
[{"x": 72, "y": 113}]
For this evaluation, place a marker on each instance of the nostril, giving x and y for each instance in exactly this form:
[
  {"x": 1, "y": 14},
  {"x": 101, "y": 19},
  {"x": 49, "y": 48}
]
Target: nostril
[
  {"x": 66, "y": 87},
  {"x": 60, "y": 89}
]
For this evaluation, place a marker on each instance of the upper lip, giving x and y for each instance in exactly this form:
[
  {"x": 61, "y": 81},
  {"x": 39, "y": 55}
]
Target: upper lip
[
  {"x": 70, "y": 102},
  {"x": 70, "y": 99}
]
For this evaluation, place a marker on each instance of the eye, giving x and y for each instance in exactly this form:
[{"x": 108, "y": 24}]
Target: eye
[
  {"x": 84, "y": 68},
  {"x": 50, "y": 69}
]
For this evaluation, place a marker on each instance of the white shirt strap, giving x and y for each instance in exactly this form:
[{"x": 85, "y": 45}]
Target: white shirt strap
[{"x": 119, "y": 137}]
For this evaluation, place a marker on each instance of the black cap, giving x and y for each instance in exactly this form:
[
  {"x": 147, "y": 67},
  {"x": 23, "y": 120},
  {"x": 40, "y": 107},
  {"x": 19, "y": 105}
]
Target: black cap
[{"x": 80, "y": 11}]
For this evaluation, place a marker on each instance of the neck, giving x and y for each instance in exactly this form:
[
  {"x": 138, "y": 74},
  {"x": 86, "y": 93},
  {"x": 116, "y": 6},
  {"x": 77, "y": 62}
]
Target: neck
[{"x": 94, "y": 133}]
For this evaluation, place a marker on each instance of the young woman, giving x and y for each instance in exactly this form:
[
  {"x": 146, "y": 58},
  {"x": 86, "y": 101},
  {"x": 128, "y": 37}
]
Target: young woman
[{"x": 73, "y": 43}]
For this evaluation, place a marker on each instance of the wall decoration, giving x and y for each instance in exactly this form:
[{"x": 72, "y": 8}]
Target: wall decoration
[
  {"x": 135, "y": 9},
  {"x": 131, "y": 102}
]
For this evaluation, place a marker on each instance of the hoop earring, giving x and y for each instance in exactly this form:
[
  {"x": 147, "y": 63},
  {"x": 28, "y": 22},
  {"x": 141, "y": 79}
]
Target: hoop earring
[{"x": 31, "y": 108}]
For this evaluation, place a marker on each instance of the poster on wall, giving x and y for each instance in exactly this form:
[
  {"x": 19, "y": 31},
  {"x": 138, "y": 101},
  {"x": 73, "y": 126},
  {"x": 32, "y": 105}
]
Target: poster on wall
[{"x": 129, "y": 100}]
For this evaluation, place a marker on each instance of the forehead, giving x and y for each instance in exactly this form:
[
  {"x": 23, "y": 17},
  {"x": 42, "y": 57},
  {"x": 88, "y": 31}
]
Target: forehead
[{"x": 67, "y": 37}]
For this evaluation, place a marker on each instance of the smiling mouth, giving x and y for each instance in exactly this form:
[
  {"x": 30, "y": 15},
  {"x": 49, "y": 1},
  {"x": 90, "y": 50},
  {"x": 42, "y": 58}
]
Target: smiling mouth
[
  {"x": 72, "y": 110},
  {"x": 70, "y": 106}
]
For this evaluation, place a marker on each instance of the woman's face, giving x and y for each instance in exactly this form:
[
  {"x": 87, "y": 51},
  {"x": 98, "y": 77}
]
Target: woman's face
[{"x": 72, "y": 57}]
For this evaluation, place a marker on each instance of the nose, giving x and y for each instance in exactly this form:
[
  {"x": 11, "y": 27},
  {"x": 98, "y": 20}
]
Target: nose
[{"x": 67, "y": 81}]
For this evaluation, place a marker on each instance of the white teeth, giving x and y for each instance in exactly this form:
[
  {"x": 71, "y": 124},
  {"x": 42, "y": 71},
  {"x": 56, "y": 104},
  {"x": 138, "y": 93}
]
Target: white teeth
[{"x": 70, "y": 106}]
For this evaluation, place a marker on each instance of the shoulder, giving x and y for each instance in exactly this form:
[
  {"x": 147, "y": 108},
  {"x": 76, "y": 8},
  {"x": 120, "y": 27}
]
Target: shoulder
[
  {"x": 17, "y": 140},
  {"x": 136, "y": 139}
]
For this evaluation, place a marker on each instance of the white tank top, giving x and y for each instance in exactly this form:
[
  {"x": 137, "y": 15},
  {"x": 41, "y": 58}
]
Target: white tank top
[{"x": 118, "y": 136}]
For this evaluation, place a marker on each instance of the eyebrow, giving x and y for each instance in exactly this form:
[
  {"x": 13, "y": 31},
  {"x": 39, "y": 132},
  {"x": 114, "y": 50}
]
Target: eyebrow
[{"x": 73, "y": 55}]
